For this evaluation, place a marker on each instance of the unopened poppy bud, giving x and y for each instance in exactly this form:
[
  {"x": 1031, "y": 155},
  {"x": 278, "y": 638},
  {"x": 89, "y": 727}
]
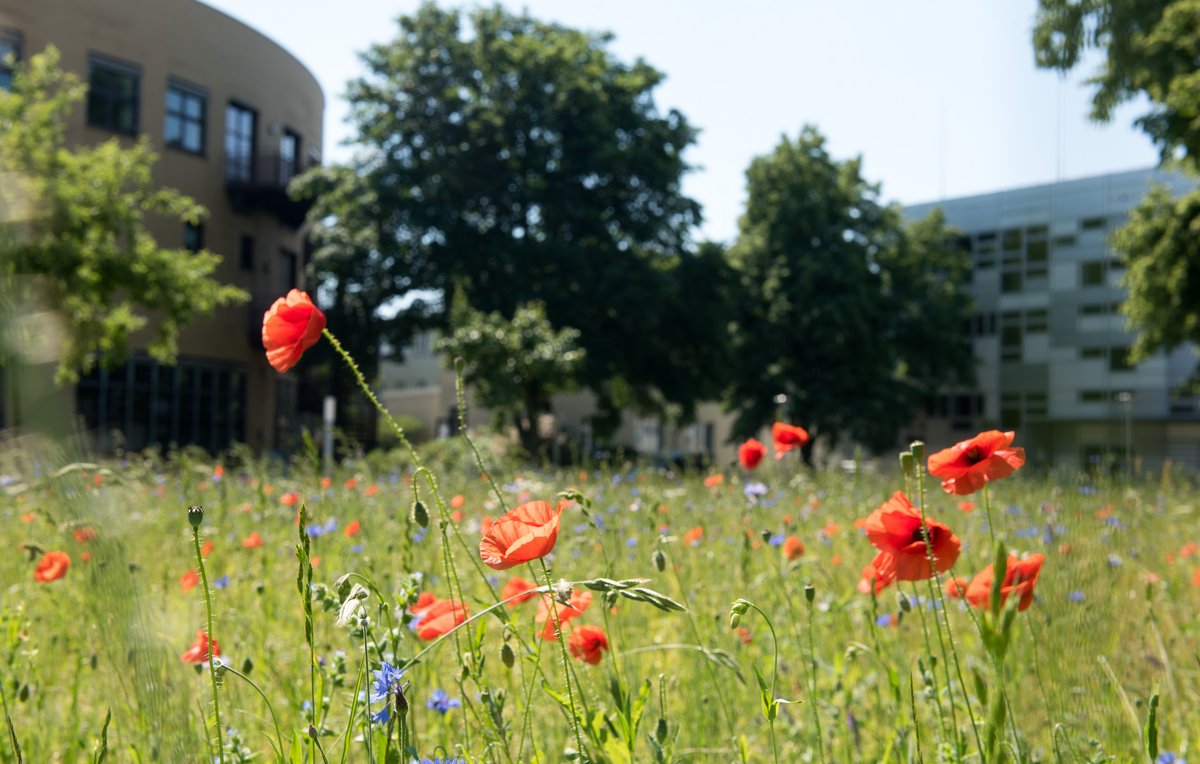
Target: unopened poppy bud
[
  {"x": 810, "y": 593},
  {"x": 906, "y": 462},
  {"x": 766, "y": 534},
  {"x": 905, "y": 605},
  {"x": 660, "y": 560},
  {"x": 736, "y": 611},
  {"x": 918, "y": 451},
  {"x": 464, "y": 672},
  {"x": 660, "y": 731},
  {"x": 401, "y": 703},
  {"x": 420, "y": 515},
  {"x": 247, "y": 666},
  {"x": 507, "y": 656},
  {"x": 195, "y": 515}
]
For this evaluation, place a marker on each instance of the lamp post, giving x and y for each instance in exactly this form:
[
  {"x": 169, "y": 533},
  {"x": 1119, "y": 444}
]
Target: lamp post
[{"x": 1125, "y": 398}]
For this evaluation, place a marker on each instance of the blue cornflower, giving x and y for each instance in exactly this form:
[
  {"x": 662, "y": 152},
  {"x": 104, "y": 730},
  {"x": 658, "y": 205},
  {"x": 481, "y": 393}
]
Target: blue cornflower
[
  {"x": 1114, "y": 560},
  {"x": 1075, "y": 596},
  {"x": 1013, "y": 509},
  {"x": 320, "y": 529},
  {"x": 884, "y": 620},
  {"x": 387, "y": 685},
  {"x": 439, "y": 760},
  {"x": 221, "y": 582},
  {"x": 635, "y": 491},
  {"x": 776, "y": 539},
  {"x": 755, "y": 488},
  {"x": 441, "y": 702},
  {"x": 1026, "y": 533},
  {"x": 357, "y": 548},
  {"x": 1166, "y": 757},
  {"x": 1114, "y": 522},
  {"x": 631, "y": 542},
  {"x": 419, "y": 534}
]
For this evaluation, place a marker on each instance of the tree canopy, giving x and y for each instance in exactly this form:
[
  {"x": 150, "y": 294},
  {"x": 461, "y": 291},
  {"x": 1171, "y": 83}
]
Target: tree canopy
[
  {"x": 852, "y": 314},
  {"x": 1151, "y": 48},
  {"x": 84, "y": 241},
  {"x": 516, "y": 161}
]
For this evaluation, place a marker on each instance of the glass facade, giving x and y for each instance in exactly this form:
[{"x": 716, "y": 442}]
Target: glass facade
[{"x": 144, "y": 403}]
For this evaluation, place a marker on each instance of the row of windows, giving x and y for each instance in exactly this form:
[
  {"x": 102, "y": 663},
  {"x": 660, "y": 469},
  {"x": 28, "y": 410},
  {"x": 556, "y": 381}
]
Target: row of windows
[
  {"x": 150, "y": 404},
  {"x": 114, "y": 103}
]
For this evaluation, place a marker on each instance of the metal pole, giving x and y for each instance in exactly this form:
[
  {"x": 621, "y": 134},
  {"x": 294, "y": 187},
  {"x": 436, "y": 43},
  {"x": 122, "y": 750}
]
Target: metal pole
[{"x": 330, "y": 417}]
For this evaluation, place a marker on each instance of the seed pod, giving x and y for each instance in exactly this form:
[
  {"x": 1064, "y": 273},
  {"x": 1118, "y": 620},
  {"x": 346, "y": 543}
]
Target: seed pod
[{"x": 195, "y": 515}]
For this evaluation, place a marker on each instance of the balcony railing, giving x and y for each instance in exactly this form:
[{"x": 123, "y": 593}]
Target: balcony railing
[{"x": 259, "y": 184}]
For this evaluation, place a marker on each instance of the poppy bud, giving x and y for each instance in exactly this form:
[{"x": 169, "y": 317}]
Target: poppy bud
[
  {"x": 507, "y": 656},
  {"x": 401, "y": 703},
  {"x": 918, "y": 451},
  {"x": 905, "y": 605},
  {"x": 736, "y": 612},
  {"x": 195, "y": 515},
  {"x": 906, "y": 462},
  {"x": 810, "y": 592},
  {"x": 660, "y": 560},
  {"x": 660, "y": 731},
  {"x": 247, "y": 666},
  {"x": 420, "y": 515},
  {"x": 766, "y": 535}
]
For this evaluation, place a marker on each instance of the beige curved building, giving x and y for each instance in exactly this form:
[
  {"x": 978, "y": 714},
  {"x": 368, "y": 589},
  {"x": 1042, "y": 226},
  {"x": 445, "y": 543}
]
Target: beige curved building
[{"x": 233, "y": 116}]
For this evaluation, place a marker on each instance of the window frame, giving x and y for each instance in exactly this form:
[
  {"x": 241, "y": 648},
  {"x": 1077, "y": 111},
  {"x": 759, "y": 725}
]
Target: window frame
[
  {"x": 186, "y": 90},
  {"x": 113, "y": 66},
  {"x": 232, "y": 162},
  {"x": 17, "y": 43}
]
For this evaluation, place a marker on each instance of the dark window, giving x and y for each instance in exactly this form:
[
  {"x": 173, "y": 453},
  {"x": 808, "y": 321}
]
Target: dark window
[
  {"x": 1098, "y": 309},
  {"x": 112, "y": 101},
  {"x": 287, "y": 271},
  {"x": 239, "y": 143},
  {"x": 1010, "y": 282},
  {"x": 186, "y": 109},
  {"x": 246, "y": 253},
  {"x": 1036, "y": 252},
  {"x": 193, "y": 236},
  {"x": 289, "y": 156},
  {"x": 1036, "y": 321},
  {"x": 1093, "y": 396},
  {"x": 1011, "y": 240},
  {"x": 1063, "y": 241},
  {"x": 1091, "y": 352},
  {"x": 1118, "y": 359},
  {"x": 1035, "y": 231},
  {"x": 1010, "y": 343},
  {"x": 1092, "y": 274},
  {"x": 1092, "y": 224},
  {"x": 10, "y": 54}
]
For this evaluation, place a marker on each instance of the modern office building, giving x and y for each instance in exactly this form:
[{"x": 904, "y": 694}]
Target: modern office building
[
  {"x": 1052, "y": 347},
  {"x": 233, "y": 117}
]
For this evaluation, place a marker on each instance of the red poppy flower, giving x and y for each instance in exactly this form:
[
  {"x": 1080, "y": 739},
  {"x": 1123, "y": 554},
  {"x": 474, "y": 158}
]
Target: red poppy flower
[
  {"x": 965, "y": 467},
  {"x": 84, "y": 535},
  {"x": 519, "y": 588},
  {"x": 198, "y": 652},
  {"x": 712, "y": 481},
  {"x": 440, "y": 618},
  {"x": 523, "y": 534},
  {"x": 458, "y": 501},
  {"x": 956, "y": 588},
  {"x": 206, "y": 549},
  {"x": 326, "y": 483},
  {"x": 52, "y": 567},
  {"x": 352, "y": 529},
  {"x": 289, "y": 499},
  {"x": 189, "y": 580},
  {"x": 579, "y": 602},
  {"x": 751, "y": 453},
  {"x": 351, "y": 484},
  {"x": 291, "y": 326},
  {"x": 252, "y": 541},
  {"x": 1020, "y": 577},
  {"x": 881, "y": 578},
  {"x": 424, "y": 601},
  {"x": 895, "y": 530},
  {"x": 787, "y": 437},
  {"x": 793, "y": 548},
  {"x": 587, "y": 644},
  {"x": 372, "y": 489},
  {"x": 692, "y": 537}
]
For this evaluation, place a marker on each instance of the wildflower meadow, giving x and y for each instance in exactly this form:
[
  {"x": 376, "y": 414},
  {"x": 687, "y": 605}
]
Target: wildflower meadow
[{"x": 452, "y": 604}]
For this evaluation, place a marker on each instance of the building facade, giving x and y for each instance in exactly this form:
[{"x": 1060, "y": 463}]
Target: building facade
[
  {"x": 1052, "y": 347},
  {"x": 233, "y": 117}
]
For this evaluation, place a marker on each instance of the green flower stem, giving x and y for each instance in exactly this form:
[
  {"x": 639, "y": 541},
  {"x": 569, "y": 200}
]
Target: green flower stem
[
  {"x": 987, "y": 508},
  {"x": 212, "y": 676},
  {"x": 263, "y": 695},
  {"x": 774, "y": 677},
  {"x": 566, "y": 662}
]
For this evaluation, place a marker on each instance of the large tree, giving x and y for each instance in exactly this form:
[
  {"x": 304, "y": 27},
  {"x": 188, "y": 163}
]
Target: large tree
[
  {"x": 855, "y": 316},
  {"x": 517, "y": 161},
  {"x": 80, "y": 239},
  {"x": 1151, "y": 49}
]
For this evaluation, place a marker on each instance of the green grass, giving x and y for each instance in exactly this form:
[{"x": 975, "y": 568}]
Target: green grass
[{"x": 1114, "y": 619}]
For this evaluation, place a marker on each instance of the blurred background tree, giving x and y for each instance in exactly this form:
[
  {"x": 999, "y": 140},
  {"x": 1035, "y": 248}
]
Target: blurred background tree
[
  {"x": 85, "y": 248},
  {"x": 515, "y": 365},
  {"x": 516, "y": 161},
  {"x": 853, "y": 314},
  {"x": 1151, "y": 49}
]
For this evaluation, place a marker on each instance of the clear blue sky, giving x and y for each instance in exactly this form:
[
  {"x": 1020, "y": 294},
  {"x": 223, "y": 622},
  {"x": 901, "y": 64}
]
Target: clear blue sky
[{"x": 940, "y": 97}]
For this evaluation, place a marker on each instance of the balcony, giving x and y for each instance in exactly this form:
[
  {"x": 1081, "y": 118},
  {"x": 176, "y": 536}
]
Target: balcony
[{"x": 259, "y": 184}]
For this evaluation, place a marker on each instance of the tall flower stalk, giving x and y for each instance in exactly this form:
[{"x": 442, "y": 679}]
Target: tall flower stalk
[{"x": 195, "y": 518}]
